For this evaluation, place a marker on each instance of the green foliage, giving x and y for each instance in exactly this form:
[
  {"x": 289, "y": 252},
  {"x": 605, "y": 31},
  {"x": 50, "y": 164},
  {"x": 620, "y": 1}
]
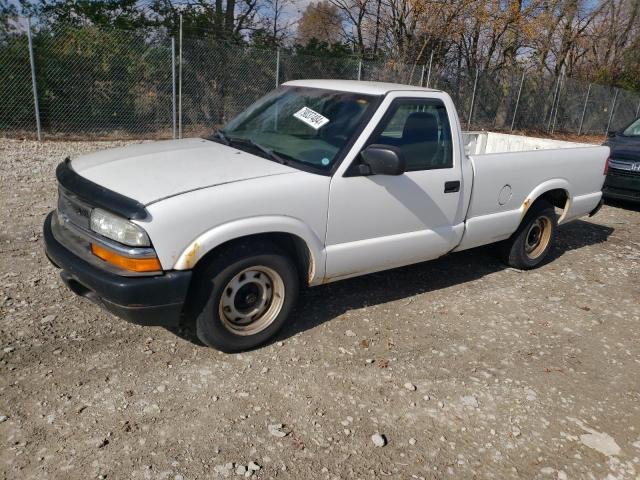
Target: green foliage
[
  {"x": 124, "y": 14},
  {"x": 16, "y": 98},
  {"x": 100, "y": 78}
]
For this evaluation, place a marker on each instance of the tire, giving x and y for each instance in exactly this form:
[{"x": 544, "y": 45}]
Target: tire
[
  {"x": 244, "y": 296},
  {"x": 528, "y": 247}
]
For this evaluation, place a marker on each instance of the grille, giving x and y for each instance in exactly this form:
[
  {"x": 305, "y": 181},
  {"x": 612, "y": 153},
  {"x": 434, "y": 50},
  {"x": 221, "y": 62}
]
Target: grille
[
  {"x": 625, "y": 165},
  {"x": 623, "y": 173},
  {"x": 73, "y": 209}
]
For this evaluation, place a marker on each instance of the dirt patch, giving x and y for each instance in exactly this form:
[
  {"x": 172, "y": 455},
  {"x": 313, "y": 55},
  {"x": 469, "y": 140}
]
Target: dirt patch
[{"x": 464, "y": 368}]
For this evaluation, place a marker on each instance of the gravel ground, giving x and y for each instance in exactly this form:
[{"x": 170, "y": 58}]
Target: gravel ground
[{"x": 464, "y": 368}]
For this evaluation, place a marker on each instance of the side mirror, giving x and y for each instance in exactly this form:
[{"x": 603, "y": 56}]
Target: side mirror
[{"x": 382, "y": 160}]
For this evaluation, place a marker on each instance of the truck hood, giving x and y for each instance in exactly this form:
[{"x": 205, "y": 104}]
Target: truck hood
[{"x": 150, "y": 172}]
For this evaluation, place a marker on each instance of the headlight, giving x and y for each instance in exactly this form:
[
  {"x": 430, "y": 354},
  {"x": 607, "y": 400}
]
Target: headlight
[{"x": 118, "y": 229}]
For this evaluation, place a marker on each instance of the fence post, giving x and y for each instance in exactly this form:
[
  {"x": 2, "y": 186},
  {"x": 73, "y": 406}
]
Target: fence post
[
  {"x": 422, "y": 76},
  {"x": 429, "y": 74},
  {"x": 584, "y": 110},
  {"x": 173, "y": 85},
  {"x": 360, "y": 70},
  {"x": 180, "y": 84},
  {"x": 33, "y": 80},
  {"x": 555, "y": 115},
  {"x": 277, "y": 67},
  {"x": 613, "y": 107},
  {"x": 638, "y": 109},
  {"x": 515, "y": 110},
  {"x": 473, "y": 98},
  {"x": 553, "y": 104}
]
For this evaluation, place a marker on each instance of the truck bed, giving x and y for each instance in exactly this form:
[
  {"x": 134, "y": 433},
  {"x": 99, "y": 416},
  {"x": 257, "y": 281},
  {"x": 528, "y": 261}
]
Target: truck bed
[
  {"x": 479, "y": 143},
  {"x": 511, "y": 171}
]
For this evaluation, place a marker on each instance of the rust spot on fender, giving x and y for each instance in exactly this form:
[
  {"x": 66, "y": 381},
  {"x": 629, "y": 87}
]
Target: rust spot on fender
[
  {"x": 525, "y": 206},
  {"x": 312, "y": 269},
  {"x": 191, "y": 257}
]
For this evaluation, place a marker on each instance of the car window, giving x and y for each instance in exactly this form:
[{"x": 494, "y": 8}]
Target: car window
[
  {"x": 633, "y": 130},
  {"x": 420, "y": 128}
]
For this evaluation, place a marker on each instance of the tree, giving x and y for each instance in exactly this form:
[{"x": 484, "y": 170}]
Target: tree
[
  {"x": 355, "y": 13},
  {"x": 123, "y": 14},
  {"x": 320, "y": 21},
  {"x": 275, "y": 23}
]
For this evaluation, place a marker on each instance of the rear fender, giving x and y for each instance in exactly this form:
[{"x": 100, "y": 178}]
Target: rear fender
[{"x": 549, "y": 185}]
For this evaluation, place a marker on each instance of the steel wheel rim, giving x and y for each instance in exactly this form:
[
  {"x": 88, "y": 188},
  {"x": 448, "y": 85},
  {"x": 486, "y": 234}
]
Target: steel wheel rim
[
  {"x": 537, "y": 238},
  {"x": 251, "y": 300}
]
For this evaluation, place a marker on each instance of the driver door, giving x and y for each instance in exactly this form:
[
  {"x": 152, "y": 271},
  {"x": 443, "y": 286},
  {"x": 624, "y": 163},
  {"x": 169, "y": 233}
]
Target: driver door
[{"x": 378, "y": 222}]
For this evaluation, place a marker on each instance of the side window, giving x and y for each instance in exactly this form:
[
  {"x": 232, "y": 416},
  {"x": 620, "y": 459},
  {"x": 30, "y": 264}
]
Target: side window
[{"x": 420, "y": 128}]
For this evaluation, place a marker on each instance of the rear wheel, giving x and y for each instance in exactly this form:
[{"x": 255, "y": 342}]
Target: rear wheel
[
  {"x": 530, "y": 244},
  {"x": 246, "y": 293}
]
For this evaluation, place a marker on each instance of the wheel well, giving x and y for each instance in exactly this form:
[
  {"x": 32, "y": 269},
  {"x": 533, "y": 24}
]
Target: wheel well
[
  {"x": 557, "y": 197},
  {"x": 288, "y": 242}
]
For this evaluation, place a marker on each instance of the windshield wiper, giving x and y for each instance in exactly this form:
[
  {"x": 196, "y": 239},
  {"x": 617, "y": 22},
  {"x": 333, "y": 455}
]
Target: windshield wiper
[
  {"x": 267, "y": 151},
  {"x": 219, "y": 134}
]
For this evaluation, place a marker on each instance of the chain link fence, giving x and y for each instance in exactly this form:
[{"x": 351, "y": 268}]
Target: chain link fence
[{"x": 96, "y": 83}]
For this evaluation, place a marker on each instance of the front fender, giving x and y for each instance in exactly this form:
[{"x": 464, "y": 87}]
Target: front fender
[{"x": 244, "y": 227}]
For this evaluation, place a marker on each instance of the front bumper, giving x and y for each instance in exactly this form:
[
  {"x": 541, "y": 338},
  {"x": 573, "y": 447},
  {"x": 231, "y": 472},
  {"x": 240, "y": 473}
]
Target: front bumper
[
  {"x": 145, "y": 300},
  {"x": 622, "y": 185}
]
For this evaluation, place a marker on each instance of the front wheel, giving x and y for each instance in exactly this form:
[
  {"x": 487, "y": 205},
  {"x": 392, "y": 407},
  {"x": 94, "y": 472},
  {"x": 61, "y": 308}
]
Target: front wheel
[
  {"x": 246, "y": 292},
  {"x": 530, "y": 244}
]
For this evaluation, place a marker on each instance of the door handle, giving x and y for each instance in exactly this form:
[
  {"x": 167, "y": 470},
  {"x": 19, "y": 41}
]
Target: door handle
[{"x": 451, "y": 187}]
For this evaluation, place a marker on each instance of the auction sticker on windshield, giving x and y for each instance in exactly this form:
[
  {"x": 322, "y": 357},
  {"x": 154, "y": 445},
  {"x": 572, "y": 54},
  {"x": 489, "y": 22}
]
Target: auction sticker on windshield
[{"x": 311, "y": 118}]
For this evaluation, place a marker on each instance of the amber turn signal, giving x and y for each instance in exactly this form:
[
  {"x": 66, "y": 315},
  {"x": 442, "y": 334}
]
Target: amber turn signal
[{"x": 133, "y": 264}]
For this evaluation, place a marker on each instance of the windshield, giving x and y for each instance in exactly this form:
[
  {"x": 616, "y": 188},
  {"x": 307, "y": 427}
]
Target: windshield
[
  {"x": 306, "y": 125},
  {"x": 632, "y": 130}
]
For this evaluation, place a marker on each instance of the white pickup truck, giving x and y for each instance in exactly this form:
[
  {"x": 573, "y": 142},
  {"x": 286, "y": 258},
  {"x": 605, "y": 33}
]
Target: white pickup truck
[{"x": 317, "y": 181}]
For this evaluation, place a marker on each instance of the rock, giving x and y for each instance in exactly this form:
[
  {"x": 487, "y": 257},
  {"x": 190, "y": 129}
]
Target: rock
[
  {"x": 378, "y": 440},
  {"x": 562, "y": 475},
  {"x": 48, "y": 319},
  {"x": 515, "y": 431},
  {"x": 276, "y": 430},
  {"x": 426, "y": 398},
  {"x": 441, "y": 404},
  {"x": 8, "y": 349},
  {"x": 152, "y": 409},
  {"x": 241, "y": 470},
  {"x": 531, "y": 395},
  {"x": 3, "y": 418},
  {"x": 410, "y": 386},
  {"x": 412, "y": 441},
  {"x": 349, "y": 333},
  {"x": 602, "y": 442},
  {"x": 470, "y": 401},
  {"x": 103, "y": 443},
  {"x": 254, "y": 466},
  {"x": 161, "y": 388},
  {"x": 369, "y": 361},
  {"x": 224, "y": 470}
]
